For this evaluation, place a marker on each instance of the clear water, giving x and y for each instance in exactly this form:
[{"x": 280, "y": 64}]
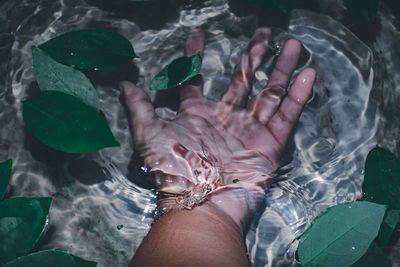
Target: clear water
[{"x": 354, "y": 107}]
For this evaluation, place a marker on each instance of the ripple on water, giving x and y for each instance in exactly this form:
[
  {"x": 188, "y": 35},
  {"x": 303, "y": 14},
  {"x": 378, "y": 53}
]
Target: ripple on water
[
  {"x": 335, "y": 132},
  {"x": 92, "y": 194}
]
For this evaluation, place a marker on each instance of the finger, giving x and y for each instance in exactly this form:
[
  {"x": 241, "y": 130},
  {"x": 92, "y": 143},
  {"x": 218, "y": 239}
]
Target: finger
[
  {"x": 283, "y": 121},
  {"x": 192, "y": 89},
  {"x": 286, "y": 63},
  {"x": 268, "y": 100},
  {"x": 194, "y": 42},
  {"x": 194, "y": 45},
  {"x": 244, "y": 71},
  {"x": 139, "y": 106},
  {"x": 266, "y": 103}
]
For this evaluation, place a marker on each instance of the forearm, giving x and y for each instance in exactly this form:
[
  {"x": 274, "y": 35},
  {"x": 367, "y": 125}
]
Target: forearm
[
  {"x": 215, "y": 153},
  {"x": 201, "y": 237}
]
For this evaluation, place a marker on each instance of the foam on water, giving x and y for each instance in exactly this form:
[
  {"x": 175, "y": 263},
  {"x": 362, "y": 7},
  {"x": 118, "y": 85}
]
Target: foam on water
[{"x": 352, "y": 109}]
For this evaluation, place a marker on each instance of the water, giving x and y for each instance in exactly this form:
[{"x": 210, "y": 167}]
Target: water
[{"x": 353, "y": 108}]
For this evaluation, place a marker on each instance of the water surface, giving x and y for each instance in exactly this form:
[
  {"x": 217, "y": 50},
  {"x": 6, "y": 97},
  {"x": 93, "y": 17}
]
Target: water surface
[{"x": 352, "y": 110}]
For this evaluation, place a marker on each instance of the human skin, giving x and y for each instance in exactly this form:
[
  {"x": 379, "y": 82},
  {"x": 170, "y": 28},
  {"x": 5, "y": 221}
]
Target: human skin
[{"x": 214, "y": 160}]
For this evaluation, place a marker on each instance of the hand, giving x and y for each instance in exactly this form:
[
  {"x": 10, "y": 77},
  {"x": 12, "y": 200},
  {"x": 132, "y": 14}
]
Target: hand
[{"x": 225, "y": 152}]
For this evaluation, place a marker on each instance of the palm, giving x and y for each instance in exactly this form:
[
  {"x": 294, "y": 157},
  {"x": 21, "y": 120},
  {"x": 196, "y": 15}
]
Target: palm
[
  {"x": 237, "y": 127},
  {"x": 219, "y": 142}
]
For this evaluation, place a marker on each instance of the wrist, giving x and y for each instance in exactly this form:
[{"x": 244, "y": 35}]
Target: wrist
[
  {"x": 238, "y": 203},
  {"x": 215, "y": 213},
  {"x": 235, "y": 204}
]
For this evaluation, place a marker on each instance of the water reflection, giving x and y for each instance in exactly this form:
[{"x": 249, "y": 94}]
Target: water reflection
[{"x": 324, "y": 160}]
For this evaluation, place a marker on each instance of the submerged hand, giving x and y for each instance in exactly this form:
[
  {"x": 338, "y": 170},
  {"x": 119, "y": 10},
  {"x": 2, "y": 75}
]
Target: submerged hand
[{"x": 223, "y": 152}]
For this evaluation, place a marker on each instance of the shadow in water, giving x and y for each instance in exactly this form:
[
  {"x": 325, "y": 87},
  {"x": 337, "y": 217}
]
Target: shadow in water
[
  {"x": 139, "y": 174},
  {"x": 87, "y": 171},
  {"x": 53, "y": 159},
  {"x": 146, "y": 14},
  {"x": 112, "y": 78}
]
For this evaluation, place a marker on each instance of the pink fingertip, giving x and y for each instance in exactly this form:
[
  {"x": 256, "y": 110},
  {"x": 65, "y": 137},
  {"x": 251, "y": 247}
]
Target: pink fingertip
[
  {"x": 195, "y": 42},
  {"x": 307, "y": 76},
  {"x": 264, "y": 31},
  {"x": 259, "y": 40},
  {"x": 303, "y": 85},
  {"x": 124, "y": 85}
]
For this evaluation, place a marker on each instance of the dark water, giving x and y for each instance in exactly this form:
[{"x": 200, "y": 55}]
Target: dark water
[{"x": 354, "y": 107}]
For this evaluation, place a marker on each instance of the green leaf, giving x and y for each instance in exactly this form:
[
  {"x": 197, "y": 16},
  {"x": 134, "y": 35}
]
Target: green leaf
[
  {"x": 382, "y": 186},
  {"x": 22, "y": 221},
  {"x": 50, "y": 258},
  {"x": 341, "y": 235},
  {"x": 382, "y": 178},
  {"x": 53, "y": 76},
  {"x": 5, "y": 176},
  {"x": 90, "y": 49},
  {"x": 177, "y": 72},
  {"x": 283, "y": 6},
  {"x": 64, "y": 123},
  {"x": 366, "y": 9},
  {"x": 373, "y": 258},
  {"x": 390, "y": 222}
]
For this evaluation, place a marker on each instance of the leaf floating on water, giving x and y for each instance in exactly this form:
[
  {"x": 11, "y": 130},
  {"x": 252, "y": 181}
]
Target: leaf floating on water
[
  {"x": 366, "y": 9},
  {"x": 90, "y": 49},
  {"x": 382, "y": 186},
  {"x": 50, "y": 258},
  {"x": 5, "y": 176},
  {"x": 283, "y": 6},
  {"x": 341, "y": 235},
  {"x": 390, "y": 222},
  {"x": 22, "y": 221},
  {"x": 177, "y": 72},
  {"x": 66, "y": 124},
  {"x": 53, "y": 76},
  {"x": 373, "y": 258},
  {"x": 382, "y": 178}
]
